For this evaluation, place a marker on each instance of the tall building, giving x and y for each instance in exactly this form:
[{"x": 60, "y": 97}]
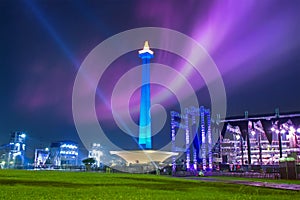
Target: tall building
[
  {"x": 12, "y": 155},
  {"x": 145, "y": 116}
]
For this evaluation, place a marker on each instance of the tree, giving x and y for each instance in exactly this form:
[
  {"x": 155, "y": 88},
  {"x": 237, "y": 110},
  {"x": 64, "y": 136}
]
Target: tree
[{"x": 88, "y": 162}]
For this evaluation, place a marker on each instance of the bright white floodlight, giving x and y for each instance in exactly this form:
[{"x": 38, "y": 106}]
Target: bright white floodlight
[
  {"x": 292, "y": 129},
  {"x": 283, "y": 131}
]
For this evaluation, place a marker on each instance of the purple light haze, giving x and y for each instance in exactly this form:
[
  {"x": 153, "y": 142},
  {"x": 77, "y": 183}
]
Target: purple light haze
[{"x": 247, "y": 39}]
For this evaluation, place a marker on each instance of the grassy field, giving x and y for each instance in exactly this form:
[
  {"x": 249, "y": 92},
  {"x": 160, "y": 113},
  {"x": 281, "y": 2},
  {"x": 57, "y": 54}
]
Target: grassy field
[{"x": 18, "y": 184}]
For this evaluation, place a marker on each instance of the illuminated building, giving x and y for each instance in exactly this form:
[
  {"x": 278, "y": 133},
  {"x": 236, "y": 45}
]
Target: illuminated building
[
  {"x": 41, "y": 156},
  {"x": 96, "y": 152},
  {"x": 145, "y": 116},
  {"x": 12, "y": 155},
  {"x": 64, "y": 153}
]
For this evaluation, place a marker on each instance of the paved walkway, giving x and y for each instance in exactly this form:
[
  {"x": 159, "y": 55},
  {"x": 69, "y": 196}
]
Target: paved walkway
[{"x": 295, "y": 187}]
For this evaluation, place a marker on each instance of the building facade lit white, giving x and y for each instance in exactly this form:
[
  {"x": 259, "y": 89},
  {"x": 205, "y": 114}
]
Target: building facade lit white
[
  {"x": 96, "y": 152},
  {"x": 41, "y": 156},
  {"x": 63, "y": 153},
  {"x": 12, "y": 155}
]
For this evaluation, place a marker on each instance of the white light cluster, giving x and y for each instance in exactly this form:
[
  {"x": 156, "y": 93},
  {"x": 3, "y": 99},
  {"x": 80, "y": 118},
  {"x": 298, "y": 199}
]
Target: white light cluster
[
  {"x": 70, "y": 146},
  {"x": 96, "y": 153},
  {"x": 69, "y": 152},
  {"x": 96, "y": 145},
  {"x": 292, "y": 129},
  {"x": 234, "y": 129},
  {"x": 284, "y": 129}
]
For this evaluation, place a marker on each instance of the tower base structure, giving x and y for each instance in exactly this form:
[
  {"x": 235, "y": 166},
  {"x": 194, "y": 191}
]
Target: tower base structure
[
  {"x": 198, "y": 140},
  {"x": 143, "y": 161}
]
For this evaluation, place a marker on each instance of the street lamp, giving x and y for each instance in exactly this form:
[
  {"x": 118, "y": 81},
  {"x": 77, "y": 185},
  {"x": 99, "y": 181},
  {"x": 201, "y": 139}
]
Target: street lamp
[
  {"x": 238, "y": 137},
  {"x": 253, "y": 132},
  {"x": 259, "y": 147},
  {"x": 279, "y": 132}
]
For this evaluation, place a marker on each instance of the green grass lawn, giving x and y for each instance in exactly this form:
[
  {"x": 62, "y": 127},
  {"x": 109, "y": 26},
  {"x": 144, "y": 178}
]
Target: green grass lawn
[{"x": 19, "y": 184}]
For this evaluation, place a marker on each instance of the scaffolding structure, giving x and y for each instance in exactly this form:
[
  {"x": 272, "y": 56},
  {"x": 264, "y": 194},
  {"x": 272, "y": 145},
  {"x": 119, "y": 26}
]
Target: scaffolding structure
[{"x": 196, "y": 126}]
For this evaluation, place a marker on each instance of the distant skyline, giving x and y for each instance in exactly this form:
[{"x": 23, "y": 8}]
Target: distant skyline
[{"x": 255, "y": 45}]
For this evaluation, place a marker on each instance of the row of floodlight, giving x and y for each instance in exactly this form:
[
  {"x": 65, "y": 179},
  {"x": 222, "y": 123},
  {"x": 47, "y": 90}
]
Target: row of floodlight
[
  {"x": 284, "y": 130},
  {"x": 70, "y": 146},
  {"x": 69, "y": 152}
]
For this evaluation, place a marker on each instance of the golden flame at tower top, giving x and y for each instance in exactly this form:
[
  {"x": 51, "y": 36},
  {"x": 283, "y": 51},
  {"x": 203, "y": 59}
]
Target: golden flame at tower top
[
  {"x": 146, "y": 45},
  {"x": 146, "y": 48}
]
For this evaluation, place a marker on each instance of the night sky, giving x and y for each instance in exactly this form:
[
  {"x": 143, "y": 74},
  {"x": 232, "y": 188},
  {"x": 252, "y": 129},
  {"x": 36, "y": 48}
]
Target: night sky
[{"x": 255, "y": 45}]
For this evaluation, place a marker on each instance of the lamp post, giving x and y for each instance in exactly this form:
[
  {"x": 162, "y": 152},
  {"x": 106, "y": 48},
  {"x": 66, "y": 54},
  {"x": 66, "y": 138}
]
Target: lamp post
[
  {"x": 242, "y": 150},
  {"x": 278, "y": 131},
  {"x": 249, "y": 150},
  {"x": 260, "y": 150},
  {"x": 253, "y": 132},
  {"x": 240, "y": 139},
  {"x": 279, "y": 140},
  {"x": 237, "y": 139}
]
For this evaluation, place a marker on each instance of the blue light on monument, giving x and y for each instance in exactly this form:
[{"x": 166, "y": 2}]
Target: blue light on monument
[{"x": 145, "y": 115}]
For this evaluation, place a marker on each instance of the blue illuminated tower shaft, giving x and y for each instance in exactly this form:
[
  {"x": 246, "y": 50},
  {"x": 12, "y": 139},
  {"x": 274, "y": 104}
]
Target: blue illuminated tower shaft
[{"x": 145, "y": 115}]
